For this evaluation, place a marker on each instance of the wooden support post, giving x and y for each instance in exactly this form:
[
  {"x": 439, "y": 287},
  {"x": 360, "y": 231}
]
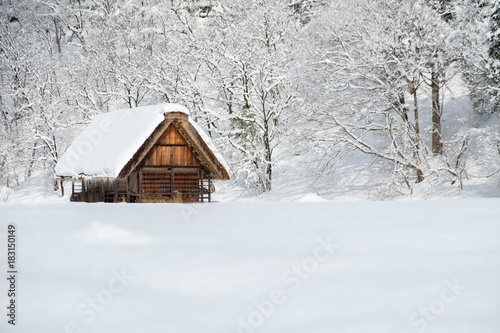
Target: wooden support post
[
  {"x": 140, "y": 185},
  {"x": 72, "y": 186},
  {"x": 114, "y": 186},
  {"x": 172, "y": 187},
  {"x": 201, "y": 184},
  {"x": 61, "y": 182},
  {"x": 209, "y": 188},
  {"x": 128, "y": 189}
]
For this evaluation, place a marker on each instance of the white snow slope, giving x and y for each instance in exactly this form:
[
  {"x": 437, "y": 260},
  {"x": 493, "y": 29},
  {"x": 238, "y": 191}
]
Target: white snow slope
[{"x": 401, "y": 266}]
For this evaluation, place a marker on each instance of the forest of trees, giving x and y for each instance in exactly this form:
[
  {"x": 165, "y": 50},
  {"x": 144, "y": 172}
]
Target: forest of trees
[{"x": 261, "y": 77}]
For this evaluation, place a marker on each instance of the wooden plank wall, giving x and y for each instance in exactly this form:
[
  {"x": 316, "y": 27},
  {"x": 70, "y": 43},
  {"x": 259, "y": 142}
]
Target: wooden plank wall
[{"x": 171, "y": 150}]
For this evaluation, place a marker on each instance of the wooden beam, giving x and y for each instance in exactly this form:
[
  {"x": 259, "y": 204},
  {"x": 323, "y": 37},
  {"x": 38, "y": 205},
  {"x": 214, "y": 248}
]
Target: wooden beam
[
  {"x": 169, "y": 169},
  {"x": 170, "y": 145}
]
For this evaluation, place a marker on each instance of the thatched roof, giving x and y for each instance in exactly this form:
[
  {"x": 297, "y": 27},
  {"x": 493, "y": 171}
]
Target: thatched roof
[{"x": 114, "y": 143}]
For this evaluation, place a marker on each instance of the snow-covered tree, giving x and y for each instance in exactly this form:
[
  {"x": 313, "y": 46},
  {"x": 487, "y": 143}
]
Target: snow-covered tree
[
  {"x": 250, "y": 66},
  {"x": 369, "y": 67},
  {"x": 494, "y": 57},
  {"x": 372, "y": 81}
]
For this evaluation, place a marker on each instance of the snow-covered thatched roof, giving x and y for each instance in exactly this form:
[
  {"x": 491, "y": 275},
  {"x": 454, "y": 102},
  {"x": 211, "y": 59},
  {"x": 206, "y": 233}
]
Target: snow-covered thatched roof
[{"x": 108, "y": 144}]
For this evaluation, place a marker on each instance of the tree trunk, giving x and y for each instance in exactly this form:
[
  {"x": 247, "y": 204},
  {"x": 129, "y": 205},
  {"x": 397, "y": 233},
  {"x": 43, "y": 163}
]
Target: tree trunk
[
  {"x": 437, "y": 144},
  {"x": 58, "y": 31},
  {"x": 402, "y": 106},
  {"x": 268, "y": 153},
  {"x": 420, "y": 174}
]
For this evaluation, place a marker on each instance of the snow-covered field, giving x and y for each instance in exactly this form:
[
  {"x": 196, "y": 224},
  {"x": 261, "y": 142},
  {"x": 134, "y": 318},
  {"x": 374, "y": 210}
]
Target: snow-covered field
[{"x": 400, "y": 266}]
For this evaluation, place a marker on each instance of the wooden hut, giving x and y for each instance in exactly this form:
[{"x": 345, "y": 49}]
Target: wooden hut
[{"x": 146, "y": 154}]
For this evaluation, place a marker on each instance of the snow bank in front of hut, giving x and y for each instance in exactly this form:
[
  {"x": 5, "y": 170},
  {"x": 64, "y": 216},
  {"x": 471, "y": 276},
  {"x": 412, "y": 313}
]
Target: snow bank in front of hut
[
  {"x": 111, "y": 140},
  {"x": 358, "y": 267},
  {"x": 311, "y": 197}
]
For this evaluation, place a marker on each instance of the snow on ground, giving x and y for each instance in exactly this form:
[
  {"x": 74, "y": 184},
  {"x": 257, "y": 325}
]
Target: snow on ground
[{"x": 401, "y": 266}]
